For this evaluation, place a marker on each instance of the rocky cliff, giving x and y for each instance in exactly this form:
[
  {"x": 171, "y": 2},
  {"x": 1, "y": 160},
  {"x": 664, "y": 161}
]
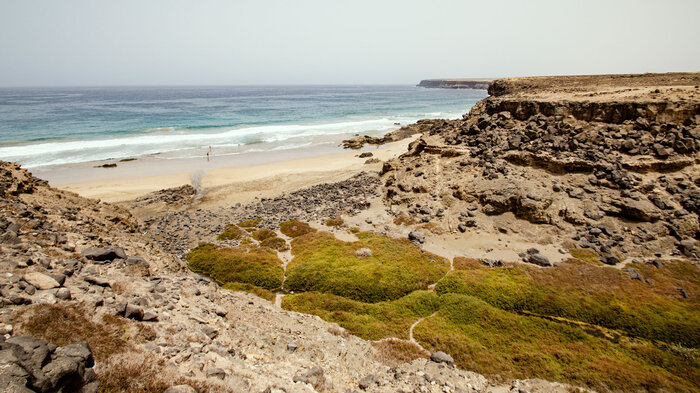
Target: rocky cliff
[{"x": 608, "y": 163}]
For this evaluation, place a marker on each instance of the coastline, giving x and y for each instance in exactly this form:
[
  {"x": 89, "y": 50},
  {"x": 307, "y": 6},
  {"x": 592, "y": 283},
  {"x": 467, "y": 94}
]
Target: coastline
[{"x": 224, "y": 179}]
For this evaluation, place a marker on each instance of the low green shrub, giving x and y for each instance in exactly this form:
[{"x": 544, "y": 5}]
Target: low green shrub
[
  {"x": 252, "y": 265},
  {"x": 396, "y": 267},
  {"x": 371, "y": 321},
  {"x": 294, "y": 228},
  {"x": 275, "y": 243},
  {"x": 232, "y": 232},
  {"x": 492, "y": 341},
  {"x": 585, "y": 254},
  {"x": 252, "y": 223},
  {"x": 263, "y": 233},
  {"x": 598, "y": 295}
]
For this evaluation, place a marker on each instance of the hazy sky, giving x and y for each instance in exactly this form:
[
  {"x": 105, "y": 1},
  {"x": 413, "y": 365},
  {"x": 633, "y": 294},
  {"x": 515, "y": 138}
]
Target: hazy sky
[{"x": 178, "y": 42}]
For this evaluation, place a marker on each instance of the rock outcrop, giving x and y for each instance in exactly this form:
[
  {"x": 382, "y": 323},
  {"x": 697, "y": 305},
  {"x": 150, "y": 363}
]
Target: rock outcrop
[
  {"x": 609, "y": 162},
  {"x": 28, "y": 364}
]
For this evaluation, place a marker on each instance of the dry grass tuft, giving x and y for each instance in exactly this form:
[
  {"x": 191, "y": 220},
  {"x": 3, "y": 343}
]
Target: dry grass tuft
[
  {"x": 404, "y": 219},
  {"x": 139, "y": 372},
  {"x": 463, "y": 263},
  {"x": 62, "y": 324},
  {"x": 121, "y": 287},
  {"x": 393, "y": 352},
  {"x": 335, "y": 222}
]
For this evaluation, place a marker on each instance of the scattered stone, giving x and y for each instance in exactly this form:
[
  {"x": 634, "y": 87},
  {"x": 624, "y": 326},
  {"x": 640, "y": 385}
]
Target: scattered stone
[
  {"x": 292, "y": 347},
  {"x": 103, "y": 253},
  {"x": 41, "y": 281},
  {"x": 150, "y": 316},
  {"x": 29, "y": 364},
  {"x": 368, "y": 381},
  {"x": 63, "y": 294},
  {"x": 634, "y": 274},
  {"x": 315, "y": 378},
  {"x": 416, "y": 237},
  {"x": 363, "y": 253},
  {"x": 539, "y": 259},
  {"x": 216, "y": 373},
  {"x": 442, "y": 357},
  {"x": 99, "y": 281},
  {"x": 133, "y": 311},
  {"x": 210, "y": 331}
]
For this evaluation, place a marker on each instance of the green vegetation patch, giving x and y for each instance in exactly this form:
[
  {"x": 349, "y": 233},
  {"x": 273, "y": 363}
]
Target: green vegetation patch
[
  {"x": 597, "y": 295},
  {"x": 264, "y": 233},
  {"x": 492, "y": 341},
  {"x": 294, "y": 228},
  {"x": 252, "y": 223},
  {"x": 251, "y": 265},
  {"x": 275, "y": 243},
  {"x": 371, "y": 321},
  {"x": 255, "y": 290},
  {"x": 586, "y": 254},
  {"x": 232, "y": 232},
  {"x": 327, "y": 265}
]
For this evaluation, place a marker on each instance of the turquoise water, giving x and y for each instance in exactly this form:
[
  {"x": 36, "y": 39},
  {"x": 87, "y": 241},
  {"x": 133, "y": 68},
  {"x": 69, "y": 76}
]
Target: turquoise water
[{"x": 52, "y": 126}]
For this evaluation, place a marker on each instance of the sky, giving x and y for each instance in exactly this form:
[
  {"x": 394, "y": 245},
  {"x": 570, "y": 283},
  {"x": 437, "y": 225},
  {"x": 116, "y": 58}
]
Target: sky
[{"x": 269, "y": 42}]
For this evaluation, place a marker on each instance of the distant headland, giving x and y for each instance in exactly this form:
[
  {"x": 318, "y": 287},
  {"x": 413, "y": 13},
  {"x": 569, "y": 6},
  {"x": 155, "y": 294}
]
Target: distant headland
[{"x": 482, "y": 84}]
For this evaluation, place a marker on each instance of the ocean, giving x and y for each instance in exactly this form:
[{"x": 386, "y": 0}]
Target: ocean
[{"x": 42, "y": 127}]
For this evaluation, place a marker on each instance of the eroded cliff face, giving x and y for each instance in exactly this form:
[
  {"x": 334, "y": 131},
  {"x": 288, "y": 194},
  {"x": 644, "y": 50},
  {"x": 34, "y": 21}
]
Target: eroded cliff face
[{"x": 609, "y": 164}]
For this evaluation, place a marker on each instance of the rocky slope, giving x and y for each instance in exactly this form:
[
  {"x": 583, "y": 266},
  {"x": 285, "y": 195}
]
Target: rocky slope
[
  {"x": 77, "y": 270},
  {"x": 607, "y": 163}
]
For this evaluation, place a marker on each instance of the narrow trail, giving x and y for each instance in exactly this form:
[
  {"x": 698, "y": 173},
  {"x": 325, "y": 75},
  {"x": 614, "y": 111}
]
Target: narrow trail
[
  {"x": 452, "y": 268},
  {"x": 410, "y": 331},
  {"x": 286, "y": 257}
]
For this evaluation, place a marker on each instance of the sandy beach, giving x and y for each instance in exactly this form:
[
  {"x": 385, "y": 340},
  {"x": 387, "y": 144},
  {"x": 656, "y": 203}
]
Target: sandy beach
[{"x": 224, "y": 180}]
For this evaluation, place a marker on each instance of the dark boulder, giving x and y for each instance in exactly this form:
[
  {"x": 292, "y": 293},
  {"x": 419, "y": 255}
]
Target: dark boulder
[
  {"x": 29, "y": 364},
  {"x": 104, "y": 253}
]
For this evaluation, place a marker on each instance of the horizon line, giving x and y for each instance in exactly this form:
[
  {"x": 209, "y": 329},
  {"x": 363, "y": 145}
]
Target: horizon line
[{"x": 205, "y": 85}]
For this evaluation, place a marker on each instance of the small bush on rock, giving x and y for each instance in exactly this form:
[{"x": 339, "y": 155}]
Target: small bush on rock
[
  {"x": 232, "y": 232},
  {"x": 264, "y": 233},
  {"x": 275, "y": 243},
  {"x": 294, "y": 228}
]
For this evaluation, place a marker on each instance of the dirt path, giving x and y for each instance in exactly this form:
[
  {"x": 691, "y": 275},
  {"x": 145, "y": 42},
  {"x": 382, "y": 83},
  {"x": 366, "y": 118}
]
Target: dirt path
[{"x": 410, "y": 331}]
